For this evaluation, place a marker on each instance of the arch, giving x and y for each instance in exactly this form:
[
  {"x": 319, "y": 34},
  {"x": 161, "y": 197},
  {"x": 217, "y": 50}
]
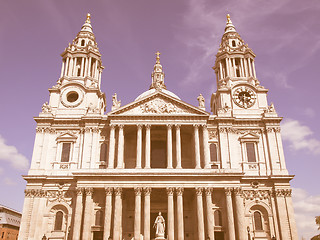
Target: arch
[
  {"x": 262, "y": 205},
  {"x": 53, "y": 207},
  {"x": 217, "y": 218}
]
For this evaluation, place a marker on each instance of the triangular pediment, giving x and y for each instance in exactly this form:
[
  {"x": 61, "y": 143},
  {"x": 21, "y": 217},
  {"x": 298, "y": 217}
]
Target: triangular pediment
[
  {"x": 158, "y": 103},
  {"x": 66, "y": 136},
  {"x": 249, "y": 136}
]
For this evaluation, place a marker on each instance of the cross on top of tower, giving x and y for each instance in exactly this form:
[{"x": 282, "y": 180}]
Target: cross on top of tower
[
  {"x": 88, "y": 18},
  {"x": 158, "y": 57}
]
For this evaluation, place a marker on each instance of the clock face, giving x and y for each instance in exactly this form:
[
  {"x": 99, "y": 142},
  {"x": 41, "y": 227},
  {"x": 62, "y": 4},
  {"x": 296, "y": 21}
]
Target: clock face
[{"x": 244, "y": 97}]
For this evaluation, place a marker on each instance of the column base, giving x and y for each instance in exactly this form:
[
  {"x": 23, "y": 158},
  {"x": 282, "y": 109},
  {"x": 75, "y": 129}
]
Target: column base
[{"x": 160, "y": 238}]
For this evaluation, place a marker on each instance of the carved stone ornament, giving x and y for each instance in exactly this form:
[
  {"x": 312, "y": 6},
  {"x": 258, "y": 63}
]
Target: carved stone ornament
[
  {"x": 199, "y": 191},
  {"x": 228, "y": 191},
  {"x": 59, "y": 196},
  {"x": 118, "y": 191},
  {"x": 147, "y": 191},
  {"x": 201, "y": 100},
  {"x": 213, "y": 133},
  {"x": 170, "y": 190},
  {"x": 137, "y": 191},
  {"x": 89, "y": 191},
  {"x": 115, "y": 102},
  {"x": 208, "y": 191},
  {"x": 256, "y": 194},
  {"x": 159, "y": 106},
  {"x": 179, "y": 191},
  {"x": 80, "y": 190},
  {"x": 282, "y": 192},
  {"x": 46, "y": 108}
]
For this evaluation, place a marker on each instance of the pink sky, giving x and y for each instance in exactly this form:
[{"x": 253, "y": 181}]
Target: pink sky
[{"x": 285, "y": 36}]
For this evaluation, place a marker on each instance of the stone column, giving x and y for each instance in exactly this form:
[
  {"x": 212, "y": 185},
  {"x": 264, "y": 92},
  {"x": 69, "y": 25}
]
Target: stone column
[
  {"x": 292, "y": 221},
  {"x": 210, "y": 218},
  {"x": 220, "y": 68},
  {"x": 70, "y": 67},
  {"x": 240, "y": 214},
  {"x": 139, "y": 146},
  {"x": 89, "y": 67},
  {"x": 146, "y": 233},
  {"x": 78, "y": 214},
  {"x": 148, "y": 147},
  {"x": 82, "y": 66},
  {"x": 197, "y": 146},
  {"x": 87, "y": 214},
  {"x": 117, "y": 231},
  {"x": 26, "y": 214},
  {"x": 35, "y": 212},
  {"x": 111, "y": 147},
  {"x": 200, "y": 214},
  {"x": 137, "y": 213},
  {"x": 169, "y": 146},
  {"x": 178, "y": 146},
  {"x": 107, "y": 213},
  {"x": 234, "y": 67},
  {"x": 74, "y": 66},
  {"x": 242, "y": 68},
  {"x": 180, "y": 213},
  {"x": 66, "y": 66},
  {"x": 254, "y": 69},
  {"x": 250, "y": 67},
  {"x": 282, "y": 211},
  {"x": 86, "y": 67},
  {"x": 120, "y": 147},
  {"x": 206, "y": 146},
  {"x": 230, "y": 219},
  {"x": 62, "y": 69},
  {"x": 170, "y": 230}
]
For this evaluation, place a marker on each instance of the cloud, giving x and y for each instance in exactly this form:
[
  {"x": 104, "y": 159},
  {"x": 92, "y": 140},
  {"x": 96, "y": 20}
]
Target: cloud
[
  {"x": 310, "y": 112},
  {"x": 299, "y": 136},
  {"x": 9, "y": 181},
  {"x": 1, "y": 171},
  {"x": 10, "y": 154},
  {"x": 306, "y": 207}
]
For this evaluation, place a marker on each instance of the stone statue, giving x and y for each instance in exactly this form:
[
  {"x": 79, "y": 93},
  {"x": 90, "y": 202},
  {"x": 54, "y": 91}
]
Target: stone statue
[
  {"x": 46, "y": 108},
  {"x": 115, "y": 103},
  {"x": 159, "y": 225},
  {"x": 201, "y": 101}
]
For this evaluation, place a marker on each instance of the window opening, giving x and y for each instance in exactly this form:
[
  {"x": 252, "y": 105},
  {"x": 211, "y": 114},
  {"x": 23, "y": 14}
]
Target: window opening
[
  {"x": 251, "y": 155},
  {"x": 82, "y": 43},
  {"x": 66, "y": 148},
  {"x": 213, "y": 152},
  {"x": 217, "y": 218},
  {"x": 233, "y": 43},
  {"x": 257, "y": 220},
  {"x": 98, "y": 218},
  {"x": 58, "y": 221}
]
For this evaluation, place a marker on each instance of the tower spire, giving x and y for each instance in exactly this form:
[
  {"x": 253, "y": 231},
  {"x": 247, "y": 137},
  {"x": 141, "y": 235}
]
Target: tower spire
[
  {"x": 229, "y": 26},
  {"x": 157, "y": 75}
]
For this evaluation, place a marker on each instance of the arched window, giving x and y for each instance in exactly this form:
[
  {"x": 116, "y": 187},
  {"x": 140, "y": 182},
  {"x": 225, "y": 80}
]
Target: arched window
[
  {"x": 233, "y": 43},
  {"x": 58, "y": 221},
  {"x": 257, "y": 220},
  {"x": 82, "y": 43},
  {"x": 217, "y": 218},
  {"x": 98, "y": 218}
]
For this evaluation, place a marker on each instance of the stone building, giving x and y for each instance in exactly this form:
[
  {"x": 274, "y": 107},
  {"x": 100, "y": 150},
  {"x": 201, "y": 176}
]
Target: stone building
[
  {"x": 9, "y": 223},
  {"x": 213, "y": 175}
]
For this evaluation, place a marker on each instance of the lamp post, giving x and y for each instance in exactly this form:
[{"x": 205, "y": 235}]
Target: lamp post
[
  {"x": 44, "y": 237},
  {"x": 248, "y": 230}
]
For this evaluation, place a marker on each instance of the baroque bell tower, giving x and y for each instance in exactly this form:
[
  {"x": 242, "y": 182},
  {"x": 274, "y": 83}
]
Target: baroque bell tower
[{"x": 77, "y": 92}]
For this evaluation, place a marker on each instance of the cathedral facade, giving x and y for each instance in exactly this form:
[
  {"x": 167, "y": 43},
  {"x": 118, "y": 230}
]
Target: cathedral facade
[{"x": 158, "y": 167}]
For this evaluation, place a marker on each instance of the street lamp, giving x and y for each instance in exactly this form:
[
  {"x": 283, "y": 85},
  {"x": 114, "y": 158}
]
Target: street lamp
[
  {"x": 44, "y": 237},
  {"x": 248, "y": 230}
]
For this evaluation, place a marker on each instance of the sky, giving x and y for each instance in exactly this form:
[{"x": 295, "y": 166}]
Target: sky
[{"x": 284, "y": 35}]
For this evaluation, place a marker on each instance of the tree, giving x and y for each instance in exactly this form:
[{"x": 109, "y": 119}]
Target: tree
[{"x": 318, "y": 221}]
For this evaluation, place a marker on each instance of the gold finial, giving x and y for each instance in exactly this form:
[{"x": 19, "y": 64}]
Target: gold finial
[
  {"x": 228, "y": 18},
  {"x": 158, "y": 57},
  {"x": 88, "y": 18}
]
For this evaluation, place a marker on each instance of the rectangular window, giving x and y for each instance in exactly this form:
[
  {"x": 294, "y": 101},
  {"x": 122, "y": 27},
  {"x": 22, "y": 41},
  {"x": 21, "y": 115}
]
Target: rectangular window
[
  {"x": 213, "y": 152},
  {"x": 103, "y": 152},
  {"x": 65, "y": 155},
  {"x": 251, "y": 154}
]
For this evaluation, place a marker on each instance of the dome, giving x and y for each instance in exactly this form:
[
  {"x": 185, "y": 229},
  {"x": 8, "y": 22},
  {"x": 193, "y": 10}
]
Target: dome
[{"x": 151, "y": 91}]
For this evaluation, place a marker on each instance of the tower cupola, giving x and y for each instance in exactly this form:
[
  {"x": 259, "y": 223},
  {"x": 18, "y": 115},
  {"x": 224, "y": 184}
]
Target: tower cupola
[
  {"x": 81, "y": 59},
  {"x": 235, "y": 60},
  {"x": 157, "y": 75}
]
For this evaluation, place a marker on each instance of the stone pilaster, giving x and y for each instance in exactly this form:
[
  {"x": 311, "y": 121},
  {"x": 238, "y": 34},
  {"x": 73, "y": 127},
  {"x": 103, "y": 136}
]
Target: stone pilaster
[
  {"x": 170, "y": 214},
  {"x": 210, "y": 219},
  {"x": 230, "y": 219},
  {"x": 200, "y": 213},
  {"x": 147, "y": 193},
  {"x": 88, "y": 214},
  {"x": 206, "y": 149},
  {"x": 137, "y": 213},
  {"x": 78, "y": 214},
  {"x": 240, "y": 214},
  {"x": 117, "y": 229},
  {"x": 180, "y": 213},
  {"x": 120, "y": 147},
  {"x": 108, "y": 213}
]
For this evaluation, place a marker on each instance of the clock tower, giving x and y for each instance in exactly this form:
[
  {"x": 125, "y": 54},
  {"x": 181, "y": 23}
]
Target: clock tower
[{"x": 239, "y": 93}]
